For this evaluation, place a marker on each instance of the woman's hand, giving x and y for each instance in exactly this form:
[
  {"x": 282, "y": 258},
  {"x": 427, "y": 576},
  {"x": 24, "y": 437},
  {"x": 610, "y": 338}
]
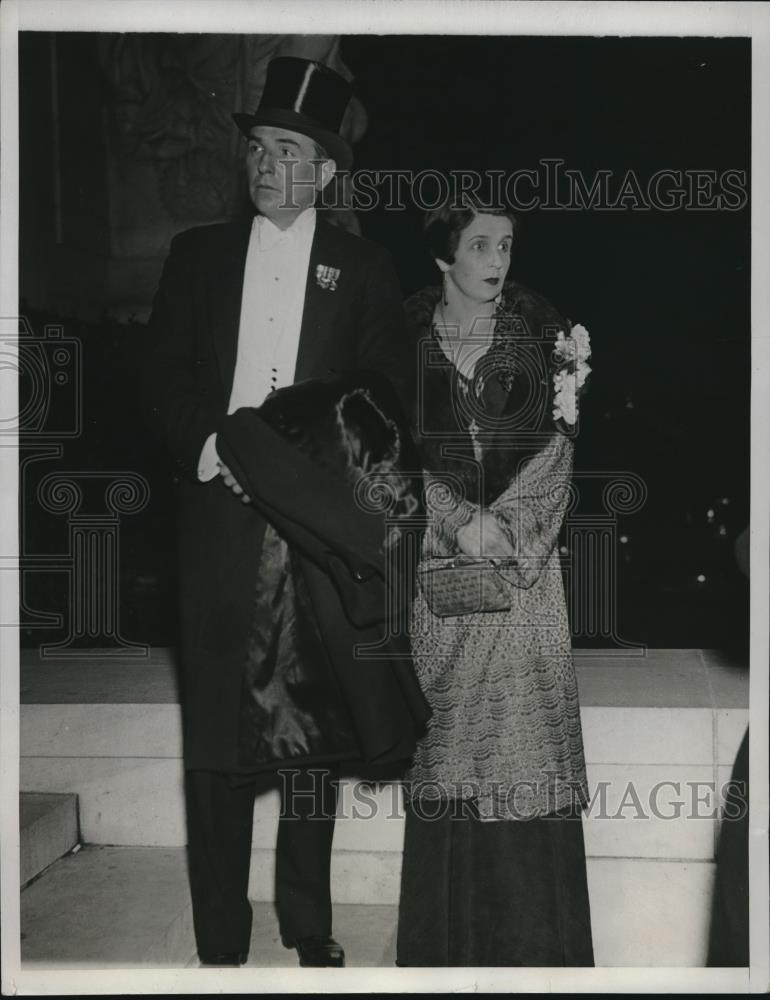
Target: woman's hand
[{"x": 483, "y": 536}]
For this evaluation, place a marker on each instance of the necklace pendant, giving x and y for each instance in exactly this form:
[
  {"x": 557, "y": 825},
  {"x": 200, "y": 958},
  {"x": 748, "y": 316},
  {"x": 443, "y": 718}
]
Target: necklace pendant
[{"x": 473, "y": 430}]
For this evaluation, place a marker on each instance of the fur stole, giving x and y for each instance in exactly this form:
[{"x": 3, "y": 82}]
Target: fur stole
[{"x": 481, "y": 430}]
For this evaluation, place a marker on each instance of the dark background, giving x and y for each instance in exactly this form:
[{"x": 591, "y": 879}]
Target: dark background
[{"x": 665, "y": 296}]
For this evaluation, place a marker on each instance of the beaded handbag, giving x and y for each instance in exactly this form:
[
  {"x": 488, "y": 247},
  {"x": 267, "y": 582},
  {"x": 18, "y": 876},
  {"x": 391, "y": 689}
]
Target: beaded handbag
[{"x": 463, "y": 585}]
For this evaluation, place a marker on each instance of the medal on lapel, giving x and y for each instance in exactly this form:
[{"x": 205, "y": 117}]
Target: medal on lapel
[{"x": 326, "y": 277}]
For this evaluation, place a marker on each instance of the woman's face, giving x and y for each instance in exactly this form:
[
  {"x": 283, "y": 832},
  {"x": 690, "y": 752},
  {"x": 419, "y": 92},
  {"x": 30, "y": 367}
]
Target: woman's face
[{"x": 482, "y": 258}]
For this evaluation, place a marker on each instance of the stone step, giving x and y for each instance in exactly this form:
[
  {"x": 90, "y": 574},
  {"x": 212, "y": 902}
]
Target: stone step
[
  {"x": 670, "y": 706},
  {"x": 612, "y": 734},
  {"x": 128, "y": 906},
  {"x": 109, "y": 905},
  {"x": 111, "y": 733},
  {"x": 49, "y": 829},
  {"x": 140, "y": 802}
]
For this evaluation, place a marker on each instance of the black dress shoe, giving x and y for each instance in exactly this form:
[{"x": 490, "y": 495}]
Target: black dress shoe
[
  {"x": 319, "y": 950},
  {"x": 224, "y": 958}
]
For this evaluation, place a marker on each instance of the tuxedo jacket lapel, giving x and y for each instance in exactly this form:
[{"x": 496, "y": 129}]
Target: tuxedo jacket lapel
[
  {"x": 226, "y": 289},
  {"x": 318, "y": 347}
]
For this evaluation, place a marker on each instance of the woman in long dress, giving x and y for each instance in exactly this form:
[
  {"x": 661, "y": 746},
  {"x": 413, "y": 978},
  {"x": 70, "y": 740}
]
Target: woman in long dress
[{"x": 494, "y": 868}]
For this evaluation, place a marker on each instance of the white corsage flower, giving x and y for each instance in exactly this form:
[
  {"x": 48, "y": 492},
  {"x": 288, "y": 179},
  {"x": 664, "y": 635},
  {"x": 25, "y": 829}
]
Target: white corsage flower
[
  {"x": 581, "y": 373},
  {"x": 576, "y": 347},
  {"x": 565, "y": 397},
  {"x": 571, "y": 353},
  {"x": 582, "y": 341}
]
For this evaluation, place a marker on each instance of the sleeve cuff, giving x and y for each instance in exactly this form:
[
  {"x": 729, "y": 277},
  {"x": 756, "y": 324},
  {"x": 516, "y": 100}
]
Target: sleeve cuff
[{"x": 208, "y": 463}]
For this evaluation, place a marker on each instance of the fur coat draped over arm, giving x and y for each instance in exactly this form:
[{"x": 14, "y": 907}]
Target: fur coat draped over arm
[{"x": 330, "y": 464}]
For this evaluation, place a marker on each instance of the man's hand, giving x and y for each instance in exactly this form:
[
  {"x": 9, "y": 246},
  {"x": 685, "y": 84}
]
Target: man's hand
[
  {"x": 483, "y": 536},
  {"x": 232, "y": 482}
]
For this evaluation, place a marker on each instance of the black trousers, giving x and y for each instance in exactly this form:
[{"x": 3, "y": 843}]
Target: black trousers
[{"x": 220, "y": 812}]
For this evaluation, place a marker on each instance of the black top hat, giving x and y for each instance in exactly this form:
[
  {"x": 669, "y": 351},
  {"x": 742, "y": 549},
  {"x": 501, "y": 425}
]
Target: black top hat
[{"x": 306, "y": 97}]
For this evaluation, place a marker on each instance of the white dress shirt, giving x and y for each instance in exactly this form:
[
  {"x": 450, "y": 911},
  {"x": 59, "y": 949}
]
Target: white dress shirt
[{"x": 272, "y": 304}]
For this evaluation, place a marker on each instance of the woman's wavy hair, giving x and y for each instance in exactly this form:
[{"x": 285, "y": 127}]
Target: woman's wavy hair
[{"x": 443, "y": 225}]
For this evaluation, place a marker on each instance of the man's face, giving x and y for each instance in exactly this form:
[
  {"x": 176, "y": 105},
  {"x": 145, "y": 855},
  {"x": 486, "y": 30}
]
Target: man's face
[{"x": 283, "y": 179}]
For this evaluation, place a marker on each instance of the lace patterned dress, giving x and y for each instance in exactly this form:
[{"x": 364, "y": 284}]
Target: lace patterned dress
[
  {"x": 505, "y": 735},
  {"x": 506, "y": 720}
]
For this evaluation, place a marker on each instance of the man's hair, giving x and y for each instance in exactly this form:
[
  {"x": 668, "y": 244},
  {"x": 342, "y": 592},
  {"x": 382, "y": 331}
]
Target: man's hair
[
  {"x": 443, "y": 225},
  {"x": 319, "y": 153}
]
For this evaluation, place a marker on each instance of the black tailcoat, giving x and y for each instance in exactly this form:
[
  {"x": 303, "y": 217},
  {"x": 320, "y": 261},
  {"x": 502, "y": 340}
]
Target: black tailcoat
[{"x": 188, "y": 380}]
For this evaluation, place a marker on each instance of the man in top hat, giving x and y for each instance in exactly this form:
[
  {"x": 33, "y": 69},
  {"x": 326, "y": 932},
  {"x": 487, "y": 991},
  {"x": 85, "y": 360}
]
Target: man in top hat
[{"x": 243, "y": 309}]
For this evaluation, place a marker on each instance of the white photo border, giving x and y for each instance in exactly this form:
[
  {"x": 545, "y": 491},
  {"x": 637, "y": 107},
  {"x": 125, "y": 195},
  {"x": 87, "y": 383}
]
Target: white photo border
[{"x": 477, "y": 17}]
